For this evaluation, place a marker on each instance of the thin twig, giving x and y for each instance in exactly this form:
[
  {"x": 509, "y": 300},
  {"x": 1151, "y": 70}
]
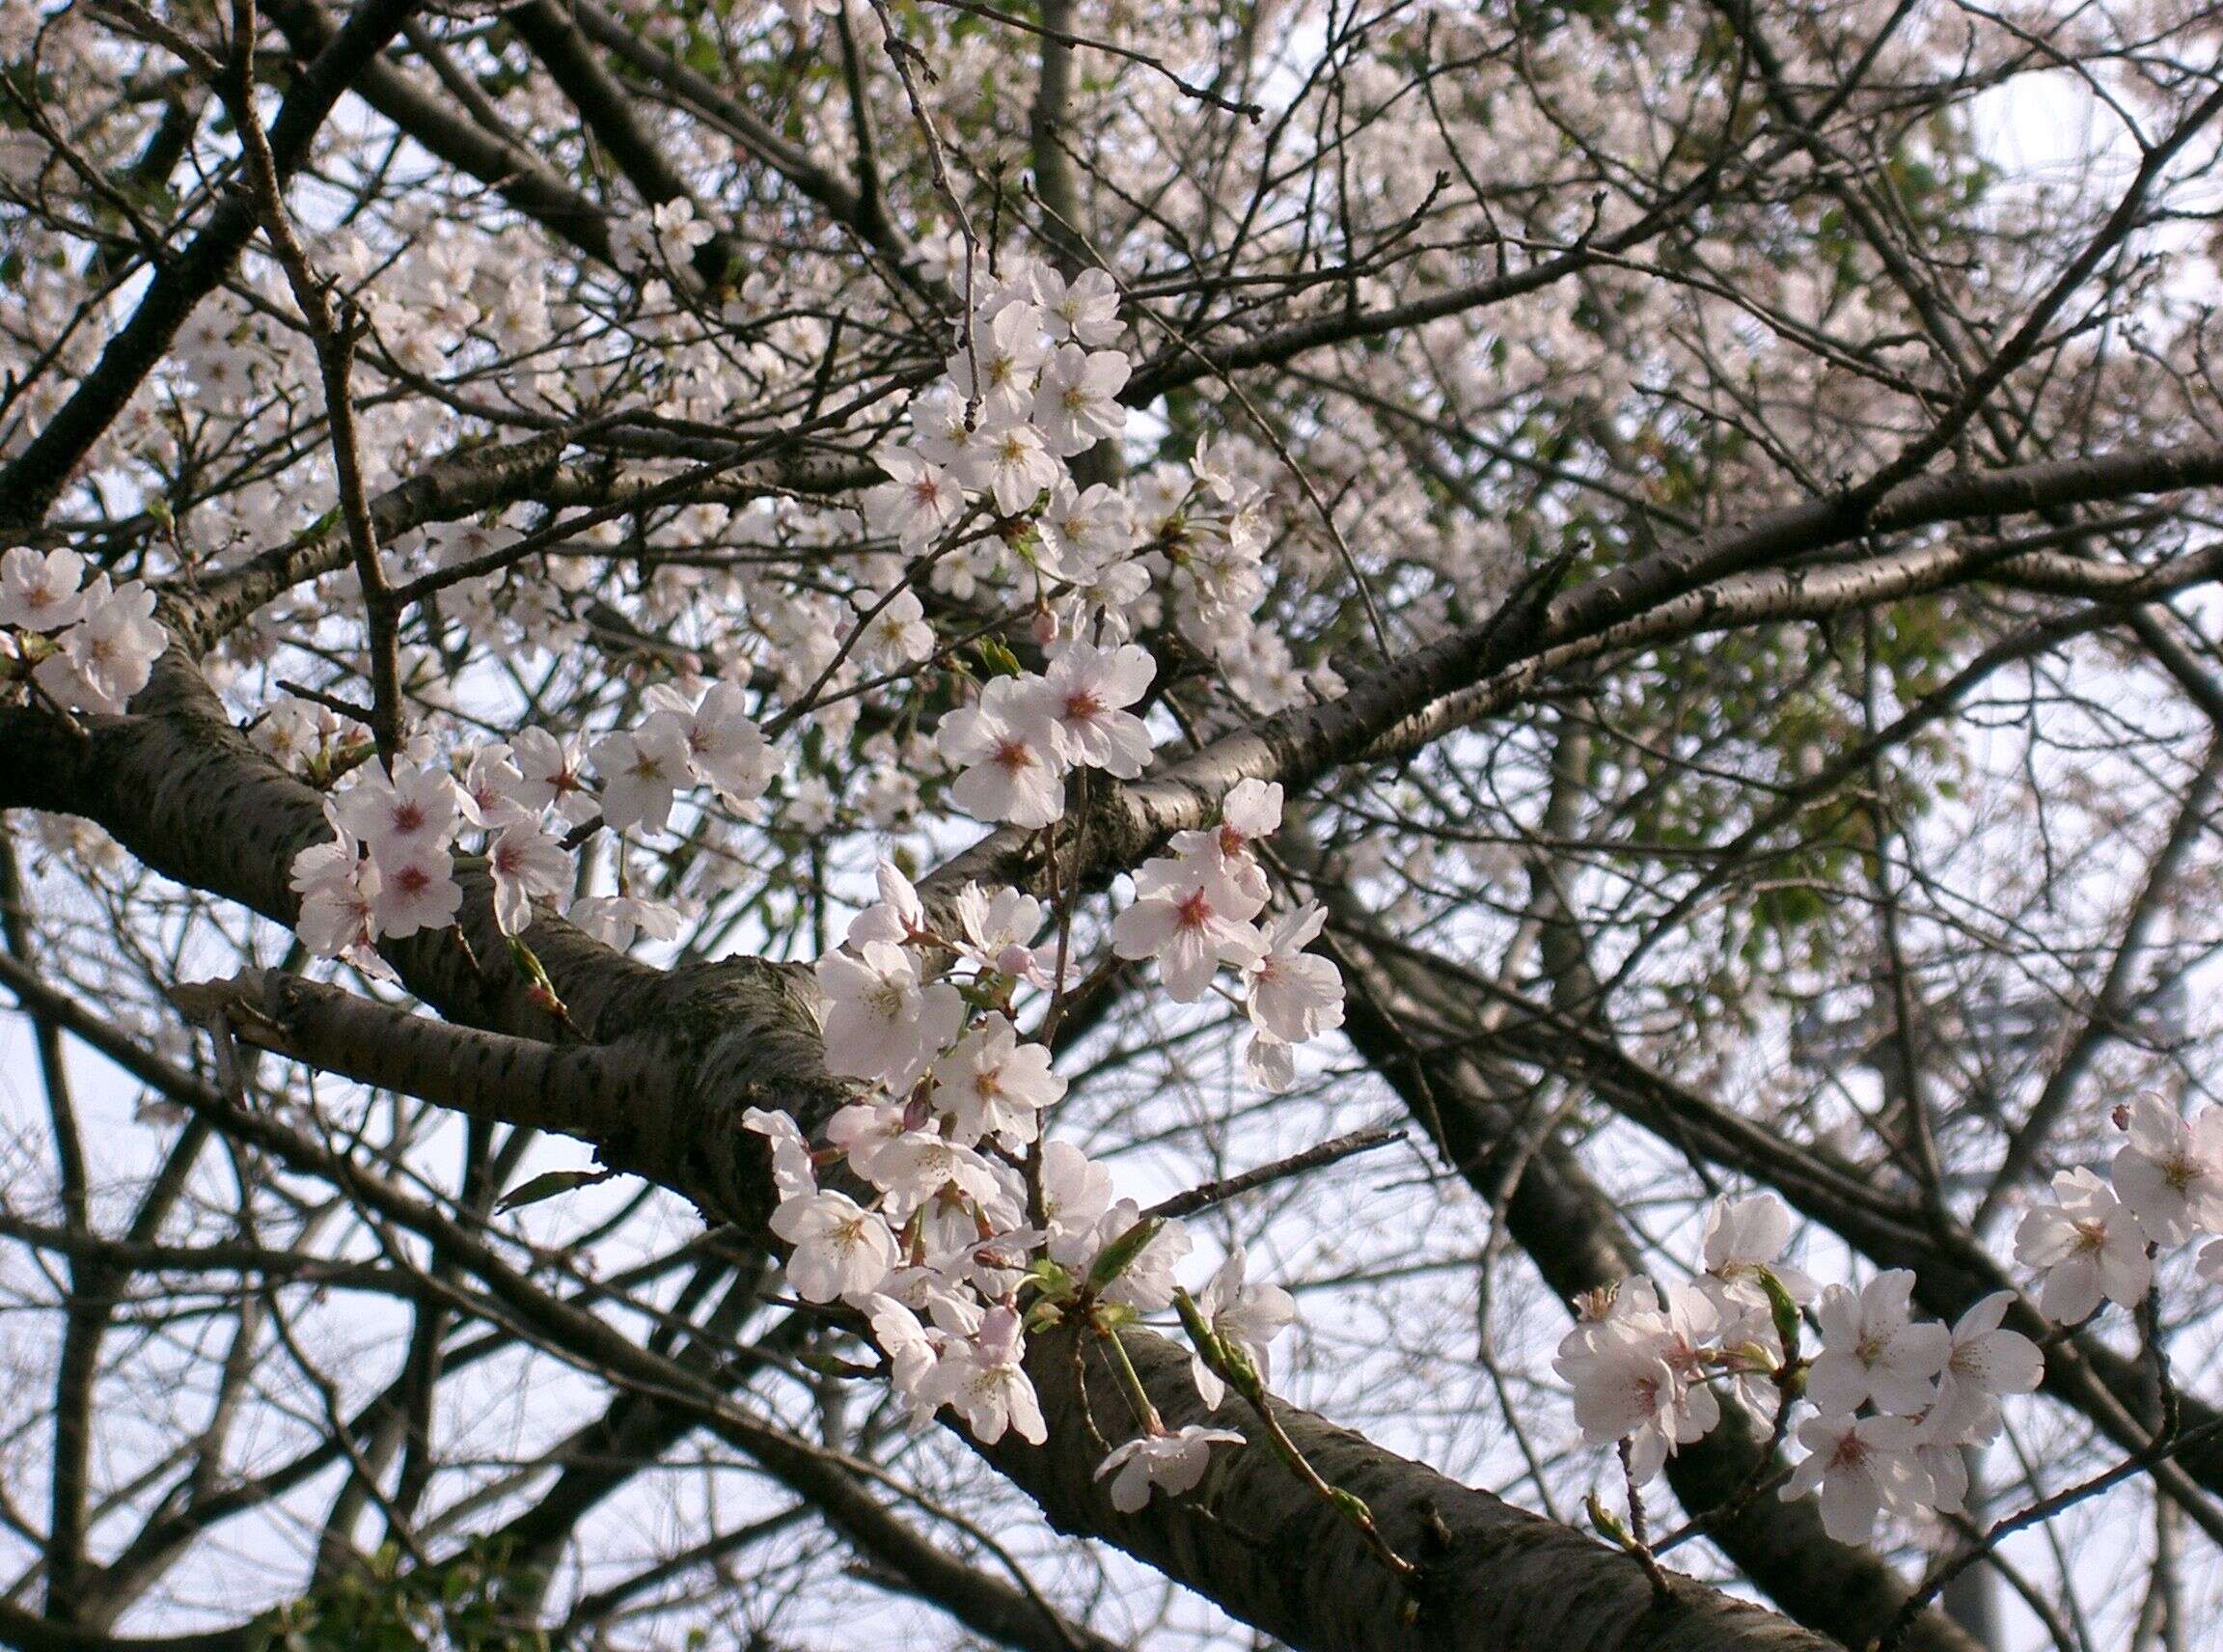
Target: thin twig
[{"x": 1311, "y": 1159}]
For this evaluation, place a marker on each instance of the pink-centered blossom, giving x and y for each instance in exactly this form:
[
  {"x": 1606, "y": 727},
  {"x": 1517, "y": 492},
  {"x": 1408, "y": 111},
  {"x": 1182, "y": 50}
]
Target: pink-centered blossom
[
  {"x": 1083, "y": 693},
  {"x": 525, "y": 862},
  {"x": 1191, "y": 918},
  {"x": 993, "y": 1085},
  {"x": 2090, "y": 1246},
  {"x": 1861, "y": 1466},
  {"x": 1872, "y": 1350},
  {"x": 1009, "y": 753},
  {"x": 2170, "y": 1172}
]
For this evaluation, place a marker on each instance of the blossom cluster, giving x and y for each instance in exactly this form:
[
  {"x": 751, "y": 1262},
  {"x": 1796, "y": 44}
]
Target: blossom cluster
[
  {"x": 90, "y": 646},
  {"x": 388, "y": 868},
  {"x": 1033, "y": 381},
  {"x": 941, "y": 1235},
  {"x": 1894, "y": 1401},
  {"x": 2094, "y": 1239},
  {"x": 1195, "y": 909}
]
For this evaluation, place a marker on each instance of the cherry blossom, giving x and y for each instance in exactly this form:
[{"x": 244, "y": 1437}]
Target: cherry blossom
[
  {"x": 2089, "y": 1244},
  {"x": 1172, "y": 1462},
  {"x": 1191, "y": 918},
  {"x": 1014, "y": 464},
  {"x": 338, "y": 891},
  {"x": 1295, "y": 995},
  {"x": 1622, "y": 1385},
  {"x": 725, "y": 747},
  {"x": 1872, "y": 1351},
  {"x": 881, "y": 1021},
  {"x": 1012, "y": 768},
  {"x": 1147, "y": 1282},
  {"x": 679, "y": 232},
  {"x": 552, "y": 771},
  {"x": 615, "y": 919},
  {"x": 1086, "y": 310},
  {"x": 524, "y": 861},
  {"x": 1861, "y": 1466},
  {"x": 1741, "y": 1237},
  {"x": 1246, "y": 1316},
  {"x": 643, "y": 771},
  {"x": 1636, "y": 1370},
  {"x": 2170, "y": 1172},
  {"x": 992, "y": 1084},
  {"x": 898, "y": 635},
  {"x": 487, "y": 790},
  {"x": 1251, "y": 811},
  {"x": 981, "y": 1379},
  {"x": 842, "y": 1251},
  {"x": 994, "y": 929},
  {"x": 793, "y": 1172},
  {"x": 39, "y": 590},
  {"x": 917, "y": 501},
  {"x": 1077, "y": 404},
  {"x": 1076, "y": 1195},
  {"x": 1984, "y": 1361},
  {"x": 108, "y": 655},
  {"x": 418, "y": 808},
  {"x": 416, "y": 890},
  {"x": 898, "y": 916},
  {"x": 995, "y": 367},
  {"x": 1083, "y": 691}
]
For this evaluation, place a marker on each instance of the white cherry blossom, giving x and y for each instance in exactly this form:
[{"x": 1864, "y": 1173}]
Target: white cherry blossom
[
  {"x": 1984, "y": 1361},
  {"x": 39, "y": 590},
  {"x": 1173, "y": 1462},
  {"x": 1861, "y": 1466},
  {"x": 615, "y": 919},
  {"x": 1742, "y": 1236},
  {"x": 1077, "y": 404},
  {"x": 897, "y": 635},
  {"x": 1085, "y": 309},
  {"x": 1874, "y": 1351},
  {"x": 552, "y": 771},
  {"x": 842, "y": 1251},
  {"x": 642, "y": 772},
  {"x": 1295, "y": 995},
  {"x": 525, "y": 862},
  {"x": 1014, "y": 465},
  {"x": 1147, "y": 1280},
  {"x": 917, "y": 501},
  {"x": 108, "y": 655},
  {"x": 981, "y": 1379},
  {"x": 1009, "y": 752},
  {"x": 793, "y": 1171},
  {"x": 881, "y": 1021},
  {"x": 1076, "y": 1195},
  {"x": 1248, "y": 1316},
  {"x": 2089, "y": 1244},
  {"x": 725, "y": 747},
  {"x": 2170, "y": 1172},
  {"x": 993, "y": 1085},
  {"x": 996, "y": 364}
]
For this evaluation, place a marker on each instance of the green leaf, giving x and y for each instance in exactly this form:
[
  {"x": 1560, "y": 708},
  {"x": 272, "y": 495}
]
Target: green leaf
[{"x": 548, "y": 1184}]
